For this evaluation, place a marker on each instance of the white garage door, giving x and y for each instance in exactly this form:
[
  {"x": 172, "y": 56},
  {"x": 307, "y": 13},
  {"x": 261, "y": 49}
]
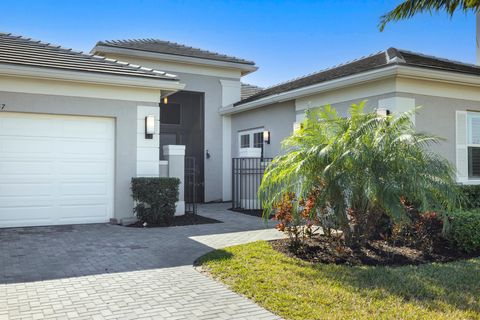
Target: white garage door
[{"x": 55, "y": 169}]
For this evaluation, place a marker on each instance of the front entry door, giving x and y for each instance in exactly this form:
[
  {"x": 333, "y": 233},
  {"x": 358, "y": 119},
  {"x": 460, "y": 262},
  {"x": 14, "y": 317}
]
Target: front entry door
[{"x": 181, "y": 123}]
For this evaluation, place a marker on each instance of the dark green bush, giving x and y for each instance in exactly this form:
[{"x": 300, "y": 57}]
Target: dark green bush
[
  {"x": 464, "y": 230},
  {"x": 472, "y": 196},
  {"x": 155, "y": 199}
]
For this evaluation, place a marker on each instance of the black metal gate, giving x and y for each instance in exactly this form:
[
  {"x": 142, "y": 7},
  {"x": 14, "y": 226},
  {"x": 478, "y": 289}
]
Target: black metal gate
[
  {"x": 247, "y": 174},
  {"x": 190, "y": 185}
]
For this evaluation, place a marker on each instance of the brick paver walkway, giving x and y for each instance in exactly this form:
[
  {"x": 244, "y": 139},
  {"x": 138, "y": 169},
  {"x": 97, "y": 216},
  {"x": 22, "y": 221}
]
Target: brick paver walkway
[{"x": 112, "y": 272}]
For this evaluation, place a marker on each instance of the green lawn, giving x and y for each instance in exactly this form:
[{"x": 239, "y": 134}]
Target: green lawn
[{"x": 295, "y": 289}]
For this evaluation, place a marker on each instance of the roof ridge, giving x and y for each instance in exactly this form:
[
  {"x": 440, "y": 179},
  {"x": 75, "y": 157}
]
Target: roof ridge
[
  {"x": 393, "y": 55},
  {"x": 251, "y": 85},
  {"x": 173, "y": 43}
]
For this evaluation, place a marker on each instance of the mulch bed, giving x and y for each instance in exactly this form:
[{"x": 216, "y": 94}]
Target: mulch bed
[
  {"x": 187, "y": 219},
  {"x": 322, "y": 249}
]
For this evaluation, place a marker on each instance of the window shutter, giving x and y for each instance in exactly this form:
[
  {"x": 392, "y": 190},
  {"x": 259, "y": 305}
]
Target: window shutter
[{"x": 461, "y": 146}]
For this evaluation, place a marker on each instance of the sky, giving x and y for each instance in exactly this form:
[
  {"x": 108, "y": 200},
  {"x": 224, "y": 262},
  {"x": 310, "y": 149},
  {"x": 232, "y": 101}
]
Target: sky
[{"x": 286, "y": 39}]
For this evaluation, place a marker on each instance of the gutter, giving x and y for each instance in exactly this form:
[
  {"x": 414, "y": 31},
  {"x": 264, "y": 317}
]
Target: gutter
[
  {"x": 313, "y": 89},
  {"x": 89, "y": 77}
]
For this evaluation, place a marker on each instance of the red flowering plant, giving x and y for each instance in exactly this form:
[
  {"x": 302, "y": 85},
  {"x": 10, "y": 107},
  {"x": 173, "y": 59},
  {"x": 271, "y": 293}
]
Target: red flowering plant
[
  {"x": 297, "y": 218},
  {"x": 423, "y": 230}
]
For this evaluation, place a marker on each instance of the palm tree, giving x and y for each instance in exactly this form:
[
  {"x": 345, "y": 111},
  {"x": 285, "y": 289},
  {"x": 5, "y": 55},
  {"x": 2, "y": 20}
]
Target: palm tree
[
  {"x": 359, "y": 167},
  {"x": 409, "y": 8}
]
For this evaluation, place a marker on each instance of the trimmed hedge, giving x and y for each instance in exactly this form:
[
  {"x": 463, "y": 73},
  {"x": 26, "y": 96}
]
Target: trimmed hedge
[
  {"x": 464, "y": 230},
  {"x": 155, "y": 199},
  {"x": 472, "y": 196}
]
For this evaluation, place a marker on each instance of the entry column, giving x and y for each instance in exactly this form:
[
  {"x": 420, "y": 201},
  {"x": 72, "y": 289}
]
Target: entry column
[{"x": 175, "y": 155}]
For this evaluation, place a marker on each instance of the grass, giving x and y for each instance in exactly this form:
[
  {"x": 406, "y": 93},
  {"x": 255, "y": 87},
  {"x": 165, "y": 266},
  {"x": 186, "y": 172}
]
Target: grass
[{"x": 295, "y": 289}]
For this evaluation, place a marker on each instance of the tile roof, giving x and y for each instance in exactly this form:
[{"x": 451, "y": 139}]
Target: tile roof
[
  {"x": 247, "y": 90},
  {"x": 389, "y": 57},
  {"x": 21, "y": 51},
  {"x": 167, "y": 47}
]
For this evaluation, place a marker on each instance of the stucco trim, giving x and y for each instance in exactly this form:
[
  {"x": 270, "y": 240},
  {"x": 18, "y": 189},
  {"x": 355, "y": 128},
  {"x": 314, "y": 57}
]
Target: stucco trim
[{"x": 87, "y": 77}]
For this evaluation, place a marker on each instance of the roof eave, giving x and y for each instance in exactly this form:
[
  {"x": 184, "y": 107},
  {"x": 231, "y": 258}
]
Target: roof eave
[
  {"x": 89, "y": 77},
  {"x": 245, "y": 68},
  {"x": 400, "y": 70},
  {"x": 372, "y": 75}
]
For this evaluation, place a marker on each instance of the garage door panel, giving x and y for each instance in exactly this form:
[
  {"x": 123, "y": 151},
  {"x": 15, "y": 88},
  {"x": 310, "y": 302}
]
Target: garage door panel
[
  {"x": 76, "y": 129},
  {"x": 82, "y": 212},
  {"x": 39, "y": 201},
  {"x": 86, "y": 149},
  {"x": 9, "y": 167},
  {"x": 20, "y": 147},
  {"x": 91, "y": 168},
  {"x": 84, "y": 189},
  {"x": 24, "y": 125},
  {"x": 26, "y": 216},
  {"x": 26, "y": 189},
  {"x": 55, "y": 169}
]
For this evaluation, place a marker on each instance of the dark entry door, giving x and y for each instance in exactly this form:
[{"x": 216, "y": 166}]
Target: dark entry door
[{"x": 182, "y": 122}]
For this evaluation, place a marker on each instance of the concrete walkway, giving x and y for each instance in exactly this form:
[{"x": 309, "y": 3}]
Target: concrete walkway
[{"x": 112, "y": 272}]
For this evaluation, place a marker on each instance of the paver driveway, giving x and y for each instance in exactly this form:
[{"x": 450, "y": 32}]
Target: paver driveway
[{"x": 111, "y": 272}]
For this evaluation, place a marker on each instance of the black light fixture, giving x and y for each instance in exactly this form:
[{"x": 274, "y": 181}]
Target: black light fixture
[
  {"x": 149, "y": 126},
  {"x": 266, "y": 136},
  {"x": 383, "y": 112}
]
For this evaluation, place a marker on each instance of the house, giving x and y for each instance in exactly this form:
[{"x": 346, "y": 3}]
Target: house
[
  {"x": 75, "y": 128},
  {"x": 394, "y": 80}
]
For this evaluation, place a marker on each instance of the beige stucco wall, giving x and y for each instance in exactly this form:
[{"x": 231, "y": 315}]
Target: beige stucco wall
[
  {"x": 277, "y": 118},
  {"x": 125, "y": 114},
  {"x": 437, "y": 117}
]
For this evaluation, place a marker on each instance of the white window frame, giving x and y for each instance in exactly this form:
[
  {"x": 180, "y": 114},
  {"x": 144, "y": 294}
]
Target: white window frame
[
  {"x": 469, "y": 135},
  {"x": 251, "y": 133}
]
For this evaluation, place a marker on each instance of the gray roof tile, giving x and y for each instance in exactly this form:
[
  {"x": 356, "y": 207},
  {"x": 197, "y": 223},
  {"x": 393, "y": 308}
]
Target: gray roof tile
[
  {"x": 21, "y": 51},
  {"x": 391, "y": 56},
  {"x": 248, "y": 90},
  {"x": 173, "y": 48}
]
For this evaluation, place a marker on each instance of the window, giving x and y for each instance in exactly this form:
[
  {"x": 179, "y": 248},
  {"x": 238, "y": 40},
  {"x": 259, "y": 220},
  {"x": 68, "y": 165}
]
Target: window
[
  {"x": 258, "y": 139},
  {"x": 170, "y": 113},
  {"x": 245, "y": 141},
  {"x": 251, "y": 138},
  {"x": 473, "y": 144}
]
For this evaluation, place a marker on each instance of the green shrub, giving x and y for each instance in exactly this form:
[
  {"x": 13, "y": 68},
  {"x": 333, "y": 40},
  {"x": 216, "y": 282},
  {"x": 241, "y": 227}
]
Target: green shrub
[
  {"x": 472, "y": 196},
  {"x": 362, "y": 166},
  {"x": 464, "y": 230},
  {"x": 155, "y": 199}
]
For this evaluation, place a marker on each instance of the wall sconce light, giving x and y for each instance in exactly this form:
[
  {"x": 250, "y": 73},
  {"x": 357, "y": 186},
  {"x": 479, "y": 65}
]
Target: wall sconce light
[
  {"x": 383, "y": 112},
  {"x": 149, "y": 127},
  {"x": 266, "y": 136},
  {"x": 165, "y": 100}
]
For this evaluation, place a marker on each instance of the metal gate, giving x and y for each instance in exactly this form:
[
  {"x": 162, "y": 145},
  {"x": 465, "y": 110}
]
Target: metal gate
[
  {"x": 190, "y": 185},
  {"x": 247, "y": 174}
]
